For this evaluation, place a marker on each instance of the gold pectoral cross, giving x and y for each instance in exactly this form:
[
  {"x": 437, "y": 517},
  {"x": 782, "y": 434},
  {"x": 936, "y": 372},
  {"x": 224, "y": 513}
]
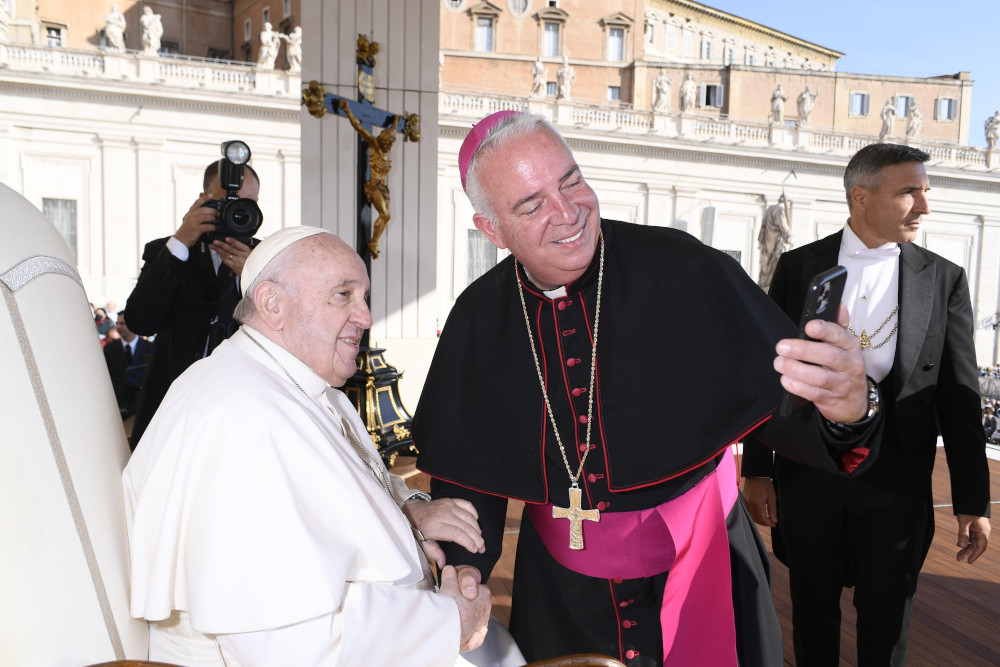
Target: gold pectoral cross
[
  {"x": 576, "y": 515},
  {"x": 866, "y": 341}
]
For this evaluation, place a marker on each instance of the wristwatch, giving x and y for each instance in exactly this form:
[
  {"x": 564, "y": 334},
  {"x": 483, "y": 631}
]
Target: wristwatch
[
  {"x": 417, "y": 495},
  {"x": 843, "y": 430}
]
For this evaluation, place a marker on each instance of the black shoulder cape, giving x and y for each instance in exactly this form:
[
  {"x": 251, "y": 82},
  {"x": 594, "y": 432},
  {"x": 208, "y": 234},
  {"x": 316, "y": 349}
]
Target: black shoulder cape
[{"x": 684, "y": 368}]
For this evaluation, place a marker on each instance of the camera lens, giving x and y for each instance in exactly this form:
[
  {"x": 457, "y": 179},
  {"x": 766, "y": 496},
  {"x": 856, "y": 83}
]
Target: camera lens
[{"x": 243, "y": 217}]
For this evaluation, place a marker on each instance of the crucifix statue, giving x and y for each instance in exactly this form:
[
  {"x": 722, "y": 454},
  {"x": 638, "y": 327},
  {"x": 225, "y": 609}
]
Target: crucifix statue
[
  {"x": 374, "y": 388},
  {"x": 374, "y": 162},
  {"x": 379, "y": 164}
]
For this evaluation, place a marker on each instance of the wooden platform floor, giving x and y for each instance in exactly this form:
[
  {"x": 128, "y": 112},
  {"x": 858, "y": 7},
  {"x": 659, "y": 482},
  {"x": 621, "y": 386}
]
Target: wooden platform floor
[{"x": 956, "y": 614}]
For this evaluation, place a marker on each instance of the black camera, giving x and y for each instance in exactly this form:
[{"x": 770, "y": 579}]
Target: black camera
[{"x": 239, "y": 218}]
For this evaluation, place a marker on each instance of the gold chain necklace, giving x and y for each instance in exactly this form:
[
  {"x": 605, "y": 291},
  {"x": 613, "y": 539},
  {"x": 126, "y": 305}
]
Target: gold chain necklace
[
  {"x": 574, "y": 512},
  {"x": 866, "y": 340}
]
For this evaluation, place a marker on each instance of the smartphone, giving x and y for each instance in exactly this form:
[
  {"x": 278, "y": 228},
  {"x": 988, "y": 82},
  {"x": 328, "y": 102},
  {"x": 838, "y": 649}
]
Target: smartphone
[{"x": 822, "y": 303}]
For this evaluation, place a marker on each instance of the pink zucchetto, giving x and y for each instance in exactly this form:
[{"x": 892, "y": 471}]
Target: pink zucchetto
[{"x": 475, "y": 138}]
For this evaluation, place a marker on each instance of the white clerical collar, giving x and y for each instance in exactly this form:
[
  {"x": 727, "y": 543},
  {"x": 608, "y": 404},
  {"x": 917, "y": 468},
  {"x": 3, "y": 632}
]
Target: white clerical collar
[
  {"x": 852, "y": 246},
  {"x": 556, "y": 293},
  {"x": 283, "y": 362}
]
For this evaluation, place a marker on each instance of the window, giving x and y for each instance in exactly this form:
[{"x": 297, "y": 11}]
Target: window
[
  {"x": 616, "y": 44},
  {"x": 750, "y": 59},
  {"x": 903, "y": 103},
  {"x": 707, "y": 49},
  {"x": 168, "y": 46},
  {"x": 266, "y": 14},
  {"x": 711, "y": 95},
  {"x": 219, "y": 54},
  {"x": 614, "y": 93},
  {"x": 53, "y": 36},
  {"x": 946, "y": 108},
  {"x": 859, "y": 104},
  {"x": 247, "y": 34},
  {"x": 551, "y": 88},
  {"x": 550, "y": 40},
  {"x": 650, "y": 34},
  {"x": 62, "y": 214},
  {"x": 616, "y": 31},
  {"x": 671, "y": 37},
  {"x": 484, "y": 33},
  {"x": 686, "y": 44},
  {"x": 453, "y": 5},
  {"x": 286, "y": 8},
  {"x": 481, "y": 255},
  {"x": 518, "y": 8},
  {"x": 728, "y": 55}
]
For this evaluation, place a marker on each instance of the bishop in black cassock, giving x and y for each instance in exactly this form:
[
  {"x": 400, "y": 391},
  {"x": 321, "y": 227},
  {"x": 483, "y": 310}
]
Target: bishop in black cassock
[{"x": 684, "y": 366}]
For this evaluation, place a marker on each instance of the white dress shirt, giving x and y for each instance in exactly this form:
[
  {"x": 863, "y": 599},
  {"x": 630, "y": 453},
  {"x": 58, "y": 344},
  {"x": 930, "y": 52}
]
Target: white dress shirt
[{"x": 871, "y": 294}]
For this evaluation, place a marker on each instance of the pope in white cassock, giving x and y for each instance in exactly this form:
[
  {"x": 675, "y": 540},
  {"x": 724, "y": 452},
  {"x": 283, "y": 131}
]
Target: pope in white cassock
[{"x": 263, "y": 527}]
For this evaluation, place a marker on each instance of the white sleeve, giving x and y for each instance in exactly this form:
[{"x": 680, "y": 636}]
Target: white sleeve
[
  {"x": 425, "y": 631},
  {"x": 178, "y": 249}
]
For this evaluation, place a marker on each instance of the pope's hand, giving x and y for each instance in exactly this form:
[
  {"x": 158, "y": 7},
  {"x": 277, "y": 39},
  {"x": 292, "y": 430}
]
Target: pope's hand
[
  {"x": 474, "y": 613},
  {"x": 828, "y": 371},
  {"x": 451, "y": 519}
]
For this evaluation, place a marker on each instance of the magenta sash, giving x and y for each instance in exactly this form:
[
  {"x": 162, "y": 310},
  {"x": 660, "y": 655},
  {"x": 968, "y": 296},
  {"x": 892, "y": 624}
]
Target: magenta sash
[{"x": 686, "y": 536}]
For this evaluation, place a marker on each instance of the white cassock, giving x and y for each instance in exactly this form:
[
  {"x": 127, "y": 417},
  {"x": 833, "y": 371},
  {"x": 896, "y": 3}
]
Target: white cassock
[{"x": 258, "y": 535}]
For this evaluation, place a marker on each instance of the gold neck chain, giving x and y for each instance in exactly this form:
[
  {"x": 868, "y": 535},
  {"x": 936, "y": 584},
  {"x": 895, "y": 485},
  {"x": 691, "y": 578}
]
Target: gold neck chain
[
  {"x": 593, "y": 371},
  {"x": 866, "y": 340}
]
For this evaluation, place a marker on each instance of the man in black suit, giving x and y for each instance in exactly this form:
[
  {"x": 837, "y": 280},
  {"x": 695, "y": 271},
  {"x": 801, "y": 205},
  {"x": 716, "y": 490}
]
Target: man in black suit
[
  {"x": 127, "y": 359},
  {"x": 186, "y": 293},
  {"x": 911, "y": 310}
]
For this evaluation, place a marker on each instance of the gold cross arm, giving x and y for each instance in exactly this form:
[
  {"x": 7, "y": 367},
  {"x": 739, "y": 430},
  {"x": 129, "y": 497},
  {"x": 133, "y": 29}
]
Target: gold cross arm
[{"x": 576, "y": 515}]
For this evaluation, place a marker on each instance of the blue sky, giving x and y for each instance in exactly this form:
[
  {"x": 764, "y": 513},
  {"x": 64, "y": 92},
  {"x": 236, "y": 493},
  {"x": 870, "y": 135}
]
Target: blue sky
[{"x": 903, "y": 38}]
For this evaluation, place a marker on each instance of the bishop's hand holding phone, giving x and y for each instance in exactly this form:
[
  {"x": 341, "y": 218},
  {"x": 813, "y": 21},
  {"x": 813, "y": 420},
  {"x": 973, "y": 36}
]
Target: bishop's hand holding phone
[
  {"x": 822, "y": 302},
  {"x": 825, "y": 365}
]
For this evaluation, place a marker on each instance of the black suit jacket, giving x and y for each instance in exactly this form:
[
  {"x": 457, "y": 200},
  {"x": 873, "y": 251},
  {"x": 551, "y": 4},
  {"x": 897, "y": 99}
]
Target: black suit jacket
[
  {"x": 126, "y": 392},
  {"x": 933, "y": 387},
  {"x": 189, "y": 309}
]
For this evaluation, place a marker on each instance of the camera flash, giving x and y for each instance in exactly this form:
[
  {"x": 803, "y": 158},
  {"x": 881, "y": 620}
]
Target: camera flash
[{"x": 236, "y": 152}]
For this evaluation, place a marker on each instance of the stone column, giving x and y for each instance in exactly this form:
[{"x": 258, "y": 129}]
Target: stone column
[{"x": 986, "y": 292}]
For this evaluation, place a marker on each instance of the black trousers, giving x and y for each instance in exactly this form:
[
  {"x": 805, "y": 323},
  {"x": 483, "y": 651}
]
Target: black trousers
[{"x": 836, "y": 532}]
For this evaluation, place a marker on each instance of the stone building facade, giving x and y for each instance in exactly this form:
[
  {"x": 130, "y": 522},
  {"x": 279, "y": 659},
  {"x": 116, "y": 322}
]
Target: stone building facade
[
  {"x": 215, "y": 29},
  {"x": 112, "y": 146},
  {"x": 715, "y": 168},
  {"x": 618, "y": 49}
]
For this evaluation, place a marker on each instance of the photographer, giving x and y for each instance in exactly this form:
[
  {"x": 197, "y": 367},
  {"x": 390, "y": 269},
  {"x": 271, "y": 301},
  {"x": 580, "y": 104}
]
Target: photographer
[{"x": 187, "y": 290}]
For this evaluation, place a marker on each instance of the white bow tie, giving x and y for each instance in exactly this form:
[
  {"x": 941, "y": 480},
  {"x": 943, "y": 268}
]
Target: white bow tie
[{"x": 888, "y": 251}]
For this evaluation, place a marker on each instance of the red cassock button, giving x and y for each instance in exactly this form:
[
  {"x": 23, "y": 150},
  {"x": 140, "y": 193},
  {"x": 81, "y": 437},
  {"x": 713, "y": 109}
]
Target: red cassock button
[
  {"x": 582, "y": 419},
  {"x": 618, "y": 580},
  {"x": 571, "y": 362},
  {"x": 591, "y": 478},
  {"x": 629, "y": 654},
  {"x": 577, "y": 391},
  {"x": 583, "y": 447},
  {"x": 602, "y": 505},
  {"x": 628, "y": 624},
  {"x": 562, "y": 305}
]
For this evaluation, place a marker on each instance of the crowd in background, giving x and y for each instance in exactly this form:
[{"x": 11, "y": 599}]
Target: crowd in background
[{"x": 126, "y": 354}]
